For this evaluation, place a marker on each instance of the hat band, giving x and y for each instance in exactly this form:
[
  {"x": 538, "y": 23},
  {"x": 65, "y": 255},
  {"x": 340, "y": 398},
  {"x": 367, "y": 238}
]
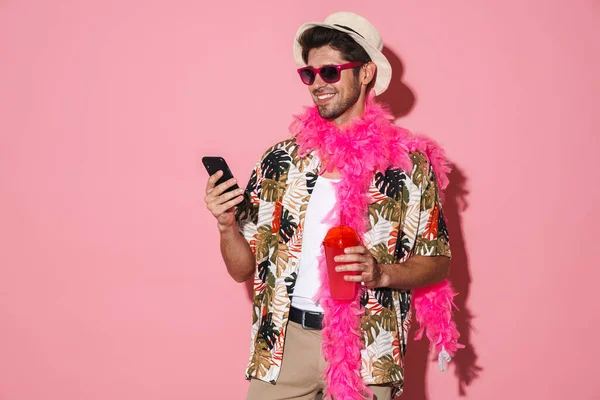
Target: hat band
[{"x": 349, "y": 29}]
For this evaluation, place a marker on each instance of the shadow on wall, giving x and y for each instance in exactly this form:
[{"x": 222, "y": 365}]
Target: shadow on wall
[
  {"x": 398, "y": 96},
  {"x": 401, "y": 100},
  {"x": 466, "y": 367},
  {"x": 465, "y": 363}
]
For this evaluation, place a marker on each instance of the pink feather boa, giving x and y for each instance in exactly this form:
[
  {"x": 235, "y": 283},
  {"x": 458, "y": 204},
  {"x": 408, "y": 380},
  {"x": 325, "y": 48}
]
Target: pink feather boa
[{"x": 371, "y": 143}]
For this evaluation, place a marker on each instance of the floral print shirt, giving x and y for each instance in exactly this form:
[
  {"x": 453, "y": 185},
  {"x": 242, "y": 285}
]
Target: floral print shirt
[{"x": 406, "y": 219}]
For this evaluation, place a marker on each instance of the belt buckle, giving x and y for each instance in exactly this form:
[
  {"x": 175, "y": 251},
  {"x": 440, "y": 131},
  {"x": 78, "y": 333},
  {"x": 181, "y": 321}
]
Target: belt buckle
[{"x": 304, "y": 320}]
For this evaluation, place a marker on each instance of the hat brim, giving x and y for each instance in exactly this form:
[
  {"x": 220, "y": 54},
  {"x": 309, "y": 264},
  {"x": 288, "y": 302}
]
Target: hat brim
[{"x": 384, "y": 69}]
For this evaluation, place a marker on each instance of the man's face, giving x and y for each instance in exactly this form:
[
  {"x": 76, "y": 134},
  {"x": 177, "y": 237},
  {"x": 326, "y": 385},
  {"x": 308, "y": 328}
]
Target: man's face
[{"x": 333, "y": 100}]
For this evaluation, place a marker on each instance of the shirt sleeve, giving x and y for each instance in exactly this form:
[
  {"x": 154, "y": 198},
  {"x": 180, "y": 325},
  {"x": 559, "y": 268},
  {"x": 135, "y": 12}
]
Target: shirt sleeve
[
  {"x": 247, "y": 216},
  {"x": 432, "y": 234}
]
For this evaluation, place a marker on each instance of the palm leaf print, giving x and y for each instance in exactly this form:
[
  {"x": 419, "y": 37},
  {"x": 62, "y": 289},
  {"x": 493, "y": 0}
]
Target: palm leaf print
[
  {"x": 391, "y": 183},
  {"x": 364, "y": 298},
  {"x": 300, "y": 162},
  {"x": 295, "y": 243},
  {"x": 275, "y": 164},
  {"x": 294, "y": 198},
  {"x": 384, "y": 297},
  {"x": 381, "y": 303},
  {"x": 267, "y": 330},
  {"x": 290, "y": 283},
  {"x": 386, "y": 370},
  {"x": 252, "y": 182},
  {"x": 256, "y": 307},
  {"x": 287, "y": 226},
  {"x": 381, "y": 254},
  {"x": 281, "y": 302},
  {"x": 420, "y": 168},
  {"x": 431, "y": 228},
  {"x": 264, "y": 241},
  {"x": 380, "y": 233},
  {"x": 311, "y": 180},
  {"x": 250, "y": 208},
  {"x": 429, "y": 197},
  {"x": 282, "y": 258},
  {"x": 263, "y": 269},
  {"x": 402, "y": 247},
  {"x": 370, "y": 325},
  {"x": 269, "y": 190},
  {"x": 374, "y": 209},
  {"x": 442, "y": 228},
  {"x": 278, "y": 351},
  {"x": 412, "y": 221},
  {"x": 390, "y": 209},
  {"x": 259, "y": 363},
  {"x": 404, "y": 304},
  {"x": 269, "y": 292}
]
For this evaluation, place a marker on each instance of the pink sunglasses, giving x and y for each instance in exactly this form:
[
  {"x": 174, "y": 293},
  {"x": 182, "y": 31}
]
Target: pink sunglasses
[{"x": 329, "y": 73}]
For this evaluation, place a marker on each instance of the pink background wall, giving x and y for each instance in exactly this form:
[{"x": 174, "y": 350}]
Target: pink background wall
[{"x": 111, "y": 283}]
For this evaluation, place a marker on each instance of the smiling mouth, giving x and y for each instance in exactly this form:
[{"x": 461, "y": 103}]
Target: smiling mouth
[{"x": 325, "y": 96}]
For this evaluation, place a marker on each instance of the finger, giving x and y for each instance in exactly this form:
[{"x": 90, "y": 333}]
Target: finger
[
  {"x": 350, "y": 267},
  {"x": 225, "y": 197},
  {"x": 354, "y": 278},
  {"x": 222, "y": 203},
  {"x": 219, "y": 189},
  {"x": 227, "y": 205},
  {"x": 358, "y": 258},
  {"x": 212, "y": 180},
  {"x": 356, "y": 250},
  {"x": 364, "y": 277},
  {"x": 216, "y": 201}
]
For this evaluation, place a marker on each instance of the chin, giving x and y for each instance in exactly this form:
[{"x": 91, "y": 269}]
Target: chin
[
  {"x": 330, "y": 114},
  {"x": 325, "y": 114}
]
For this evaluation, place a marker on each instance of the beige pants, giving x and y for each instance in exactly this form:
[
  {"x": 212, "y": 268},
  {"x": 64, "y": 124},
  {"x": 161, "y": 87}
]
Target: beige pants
[{"x": 301, "y": 375}]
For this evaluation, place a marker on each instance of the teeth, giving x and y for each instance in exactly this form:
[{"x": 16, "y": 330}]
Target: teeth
[{"x": 325, "y": 96}]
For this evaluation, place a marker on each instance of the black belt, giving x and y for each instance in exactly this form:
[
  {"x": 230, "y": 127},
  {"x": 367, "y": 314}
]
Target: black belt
[{"x": 308, "y": 319}]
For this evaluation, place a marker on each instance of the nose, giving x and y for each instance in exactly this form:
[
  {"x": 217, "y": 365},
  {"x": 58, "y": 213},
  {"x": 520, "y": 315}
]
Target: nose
[{"x": 318, "y": 83}]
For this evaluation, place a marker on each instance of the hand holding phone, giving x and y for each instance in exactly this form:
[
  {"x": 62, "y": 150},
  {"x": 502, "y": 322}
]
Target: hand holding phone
[{"x": 222, "y": 191}]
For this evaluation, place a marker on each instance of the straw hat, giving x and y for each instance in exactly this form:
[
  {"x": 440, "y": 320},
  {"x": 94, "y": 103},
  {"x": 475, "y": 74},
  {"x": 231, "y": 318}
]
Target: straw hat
[{"x": 364, "y": 33}]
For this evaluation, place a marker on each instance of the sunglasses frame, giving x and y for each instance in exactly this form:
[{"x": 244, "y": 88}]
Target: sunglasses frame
[{"x": 339, "y": 69}]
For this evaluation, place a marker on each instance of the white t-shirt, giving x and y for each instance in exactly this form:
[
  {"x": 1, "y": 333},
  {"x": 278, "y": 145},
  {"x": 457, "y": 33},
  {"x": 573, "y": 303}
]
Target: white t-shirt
[{"x": 322, "y": 202}]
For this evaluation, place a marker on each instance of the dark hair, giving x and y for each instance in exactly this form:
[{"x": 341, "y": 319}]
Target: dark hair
[{"x": 318, "y": 36}]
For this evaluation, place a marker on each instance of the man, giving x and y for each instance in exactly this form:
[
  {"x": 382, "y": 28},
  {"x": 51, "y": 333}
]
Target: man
[{"x": 345, "y": 158}]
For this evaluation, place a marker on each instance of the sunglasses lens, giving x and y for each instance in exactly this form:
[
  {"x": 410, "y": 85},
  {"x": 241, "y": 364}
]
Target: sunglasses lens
[
  {"x": 330, "y": 74},
  {"x": 307, "y": 76}
]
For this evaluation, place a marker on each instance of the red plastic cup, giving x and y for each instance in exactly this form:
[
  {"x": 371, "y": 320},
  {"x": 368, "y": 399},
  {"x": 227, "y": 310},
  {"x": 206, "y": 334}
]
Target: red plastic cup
[{"x": 336, "y": 240}]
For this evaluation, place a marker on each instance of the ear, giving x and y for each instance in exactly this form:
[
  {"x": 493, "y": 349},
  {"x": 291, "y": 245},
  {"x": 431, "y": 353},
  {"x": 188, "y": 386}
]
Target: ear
[{"x": 368, "y": 73}]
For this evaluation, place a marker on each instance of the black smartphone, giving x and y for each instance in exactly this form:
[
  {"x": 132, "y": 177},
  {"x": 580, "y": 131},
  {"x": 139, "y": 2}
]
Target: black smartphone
[{"x": 214, "y": 164}]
